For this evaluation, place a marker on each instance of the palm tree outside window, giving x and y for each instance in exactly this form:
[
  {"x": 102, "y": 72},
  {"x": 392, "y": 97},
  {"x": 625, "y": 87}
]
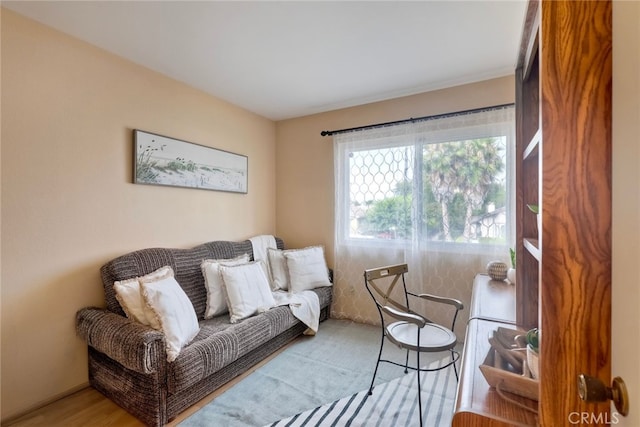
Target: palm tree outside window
[{"x": 421, "y": 186}]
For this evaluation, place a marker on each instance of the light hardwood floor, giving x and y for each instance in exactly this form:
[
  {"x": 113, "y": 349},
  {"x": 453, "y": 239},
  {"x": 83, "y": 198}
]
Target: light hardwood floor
[{"x": 89, "y": 408}]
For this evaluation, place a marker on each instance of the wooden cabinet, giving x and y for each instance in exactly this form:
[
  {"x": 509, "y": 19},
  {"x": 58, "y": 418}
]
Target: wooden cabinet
[
  {"x": 563, "y": 121},
  {"x": 563, "y": 165},
  {"x": 493, "y": 305}
]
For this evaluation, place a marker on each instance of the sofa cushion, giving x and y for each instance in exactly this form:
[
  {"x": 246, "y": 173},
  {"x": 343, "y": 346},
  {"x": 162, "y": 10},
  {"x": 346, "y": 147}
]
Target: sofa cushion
[
  {"x": 130, "y": 298},
  {"x": 248, "y": 290},
  {"x": 220, "y": 342},
  {"x": 307, "y": 269},
  {"x": 297, "y": 270},
  {"x": 216, "y": 295},
  {"x": 172, "y": 309},
  {"x": 278, "y": 269}
]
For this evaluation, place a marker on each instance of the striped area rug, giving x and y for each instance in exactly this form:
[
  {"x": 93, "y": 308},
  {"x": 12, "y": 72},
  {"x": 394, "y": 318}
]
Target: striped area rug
[{"x": 394, "y": 403}]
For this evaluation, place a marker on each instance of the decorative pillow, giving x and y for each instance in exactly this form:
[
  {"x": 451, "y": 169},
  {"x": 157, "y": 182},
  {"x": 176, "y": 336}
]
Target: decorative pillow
[
  {"x": 174, "y": 311},
  {"x": 307, "y": 269},
  {"x": 216, "y": 295},
  {"x": 278, "y": 268},
  {"x": 130, "y": 298},
  {"x": 248, "y": 290}
]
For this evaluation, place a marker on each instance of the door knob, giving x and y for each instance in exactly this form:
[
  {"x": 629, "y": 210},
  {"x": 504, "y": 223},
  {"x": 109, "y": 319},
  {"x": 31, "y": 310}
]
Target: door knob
[{"x": 591, "y": 389}]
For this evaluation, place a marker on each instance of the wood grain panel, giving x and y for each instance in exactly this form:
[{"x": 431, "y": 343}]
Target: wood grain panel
[{"x": 575, "y": 289}]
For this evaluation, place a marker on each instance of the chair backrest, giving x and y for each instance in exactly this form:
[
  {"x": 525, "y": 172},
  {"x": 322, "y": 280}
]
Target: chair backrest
[{"x": 381, "y": 283}]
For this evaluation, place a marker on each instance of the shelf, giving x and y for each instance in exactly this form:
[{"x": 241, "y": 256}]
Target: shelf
[
  {"x": 532, "y": 246},
  {"x": 493, "y": 300}
]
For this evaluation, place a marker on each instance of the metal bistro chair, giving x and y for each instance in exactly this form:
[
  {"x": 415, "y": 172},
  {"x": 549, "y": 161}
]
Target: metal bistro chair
[{"x": 406, "y": 328}]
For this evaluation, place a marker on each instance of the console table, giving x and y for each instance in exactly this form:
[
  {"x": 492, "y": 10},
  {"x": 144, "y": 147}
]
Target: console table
[{"x": 493, "y": 305}]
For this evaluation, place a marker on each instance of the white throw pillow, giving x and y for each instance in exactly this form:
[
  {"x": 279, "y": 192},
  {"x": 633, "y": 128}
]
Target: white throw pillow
[
  {"x": 307, "y": 269},
  {"x": 174, "y": 312},
  {"x": 248, "y": 290},
  {"x": 278, "y": 268},
  {"x": 130, "y": 298},
  {"x": 216, "y": 295}
]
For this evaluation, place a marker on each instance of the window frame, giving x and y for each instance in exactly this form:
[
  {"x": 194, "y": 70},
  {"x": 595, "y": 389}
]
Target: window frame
[{"x": 477, "y": 131}]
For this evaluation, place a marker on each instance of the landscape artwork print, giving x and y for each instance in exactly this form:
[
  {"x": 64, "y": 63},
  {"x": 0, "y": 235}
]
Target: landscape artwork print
[{"x": 160, "y": 160}]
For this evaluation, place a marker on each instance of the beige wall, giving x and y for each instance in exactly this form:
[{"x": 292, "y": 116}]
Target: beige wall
[
  {"x": 626, "y": 203},
  {"x": 68, "y": 202}
]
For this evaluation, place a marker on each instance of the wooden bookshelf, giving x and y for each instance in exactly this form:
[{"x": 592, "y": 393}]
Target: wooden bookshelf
[
  {"x": 563, "y": 165},
  {"x": 563, "y": 122}
]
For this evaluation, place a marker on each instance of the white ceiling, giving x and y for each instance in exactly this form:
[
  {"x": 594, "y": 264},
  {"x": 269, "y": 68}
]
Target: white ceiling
[{"x": 294, "y": 58}]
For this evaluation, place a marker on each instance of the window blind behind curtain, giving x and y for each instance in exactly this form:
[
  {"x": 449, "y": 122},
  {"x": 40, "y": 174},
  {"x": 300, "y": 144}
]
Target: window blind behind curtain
[{"x": 436, "y": 193}]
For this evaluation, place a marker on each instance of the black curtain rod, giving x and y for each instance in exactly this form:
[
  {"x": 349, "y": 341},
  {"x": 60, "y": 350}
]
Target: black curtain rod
[{"x": 418, "y": 119}]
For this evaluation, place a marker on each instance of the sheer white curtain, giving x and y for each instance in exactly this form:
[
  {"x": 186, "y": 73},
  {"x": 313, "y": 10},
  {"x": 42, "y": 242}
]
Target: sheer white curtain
[{"x": 381, "y": 176}]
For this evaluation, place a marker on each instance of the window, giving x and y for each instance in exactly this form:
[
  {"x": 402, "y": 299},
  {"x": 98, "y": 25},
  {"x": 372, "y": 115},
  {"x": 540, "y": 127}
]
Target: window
[{"x": 442, "y": 180}]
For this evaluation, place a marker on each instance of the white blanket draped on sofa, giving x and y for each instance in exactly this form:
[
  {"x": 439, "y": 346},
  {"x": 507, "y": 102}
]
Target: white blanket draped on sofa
[{"x": 305, "y": 305}]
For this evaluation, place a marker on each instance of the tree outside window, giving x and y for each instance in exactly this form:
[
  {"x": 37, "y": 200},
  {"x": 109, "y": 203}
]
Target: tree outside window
[{"x": 461, "y": 194}]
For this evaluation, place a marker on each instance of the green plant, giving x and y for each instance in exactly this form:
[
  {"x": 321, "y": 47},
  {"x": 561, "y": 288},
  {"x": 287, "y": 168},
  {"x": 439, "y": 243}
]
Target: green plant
[
  {"x": 181, "y": 164},
  {"x": 146, "y": 167},
  {"x": 534, "y": 209},
  {"x": 512, "y": 255},
  {"x": 533, "y": 339}
]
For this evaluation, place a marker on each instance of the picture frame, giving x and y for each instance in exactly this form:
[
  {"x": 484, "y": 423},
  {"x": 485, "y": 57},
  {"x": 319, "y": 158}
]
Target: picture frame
[{"x": 162, "y": 160}]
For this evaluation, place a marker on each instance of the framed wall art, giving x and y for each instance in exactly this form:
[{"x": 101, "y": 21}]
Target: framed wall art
[{"x": 161, "y": 160}]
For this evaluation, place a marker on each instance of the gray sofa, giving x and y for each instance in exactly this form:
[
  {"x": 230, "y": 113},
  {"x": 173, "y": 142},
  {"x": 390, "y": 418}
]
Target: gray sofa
[{"x": 128, "y": 362}]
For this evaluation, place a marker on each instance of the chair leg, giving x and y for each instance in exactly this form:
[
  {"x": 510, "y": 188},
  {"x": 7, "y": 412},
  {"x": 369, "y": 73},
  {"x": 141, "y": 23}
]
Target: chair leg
[
  {"x": 406, "y": 363},
  {"x": 419, "y": 387},
  {"x": 455, "y": 368},
  {"x": 375, "y": 371}
]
